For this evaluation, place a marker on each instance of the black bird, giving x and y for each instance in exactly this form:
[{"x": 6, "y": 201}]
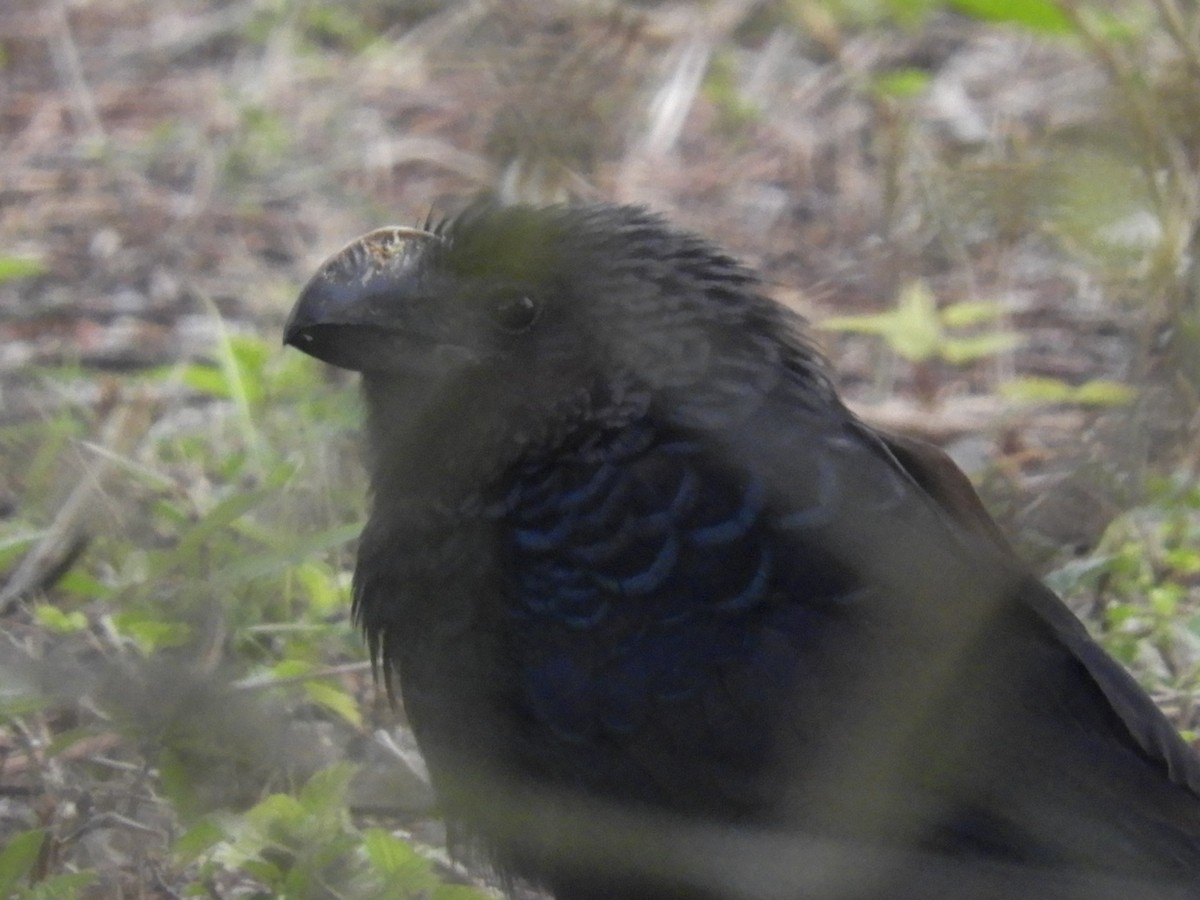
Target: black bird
[{"x": 669, "y": 621}]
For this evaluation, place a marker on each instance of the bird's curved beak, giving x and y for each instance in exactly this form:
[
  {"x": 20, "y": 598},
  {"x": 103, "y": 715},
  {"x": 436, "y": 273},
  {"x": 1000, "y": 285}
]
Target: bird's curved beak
[{"x": 349, "y": 312}]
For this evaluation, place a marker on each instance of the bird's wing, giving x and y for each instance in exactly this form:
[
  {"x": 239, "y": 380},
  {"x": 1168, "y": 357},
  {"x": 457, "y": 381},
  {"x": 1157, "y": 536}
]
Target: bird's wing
[
  {"x": 945, "y": 483},
  {"x": 936, "y": 473},
  {"x": 740, "y": 623}
]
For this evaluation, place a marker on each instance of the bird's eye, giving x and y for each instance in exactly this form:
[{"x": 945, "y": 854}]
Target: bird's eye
[{"x": 515, "y": 311}]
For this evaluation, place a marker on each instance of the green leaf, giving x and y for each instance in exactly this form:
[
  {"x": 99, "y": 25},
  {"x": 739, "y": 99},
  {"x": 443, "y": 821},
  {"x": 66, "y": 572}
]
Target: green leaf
[
  {"x": 1043, "y": 16},
  {"x": 14, "y": 547},
  {"x": 198, "y": 840},
  {"x": 901, "y": 83},
  {"x": 334, "y": 699},
  {"x": 149, "y": 634},
  {"x": 1035, "y": 389},
  {"x": 14, "y": 267},
  {"x": 1164, "y": 598},
  {"x": 971, "y": 312},
  {"x": 1100, "y": 392},
  {"x": 1184, "y": 560},
  {"x": 291, "y": 668},
  {"x": 18, "y": 858},
  {"x": 262, "y": 870},
  {"x": 206, "y": 379},
  {"x": 59, "y": 621},
  {"x": 969, "y": 349},
  {"x": 1039, "y": 390},
  {"x": 871, "y": 323},
  {"x": 396, "y": 860},
  {"x": 274, "y": 808},
  {"x": 323, "y": 586},
  {"x": 251, "y": 353},
  {"x": 83, "y": 585},
  {"x": 326, "y": 789},
  {"x": 916, "y": 331}
]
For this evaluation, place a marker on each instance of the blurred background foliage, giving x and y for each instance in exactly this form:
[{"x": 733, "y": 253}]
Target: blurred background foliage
[{"x": 989, "y": 207}]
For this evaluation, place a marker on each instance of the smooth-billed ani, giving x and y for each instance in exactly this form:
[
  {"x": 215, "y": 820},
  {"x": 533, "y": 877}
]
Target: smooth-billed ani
[{"x": 670, "y": 622}]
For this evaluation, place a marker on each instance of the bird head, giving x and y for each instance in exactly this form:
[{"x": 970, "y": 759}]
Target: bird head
[{"x": 511, "y": 325}]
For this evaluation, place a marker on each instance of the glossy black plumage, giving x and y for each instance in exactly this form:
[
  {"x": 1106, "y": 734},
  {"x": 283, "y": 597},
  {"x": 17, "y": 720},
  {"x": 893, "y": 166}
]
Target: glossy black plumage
[{"x": 669, "y": 622}]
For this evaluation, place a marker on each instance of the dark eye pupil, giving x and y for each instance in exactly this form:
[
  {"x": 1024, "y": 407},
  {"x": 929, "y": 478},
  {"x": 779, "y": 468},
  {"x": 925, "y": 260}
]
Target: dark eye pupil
[{"x": 515, "y": 312}]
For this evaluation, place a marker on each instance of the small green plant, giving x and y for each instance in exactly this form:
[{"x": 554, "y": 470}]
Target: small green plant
[
  {"x": 1095, "y": 392},
  {"x": 20, "y": 861},
  {"x": 304, "y": 845},
  {"x": 1144, "y": 577},
  {"x": 210, "y": 595},
  {"x": 920, "y": 332}
]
